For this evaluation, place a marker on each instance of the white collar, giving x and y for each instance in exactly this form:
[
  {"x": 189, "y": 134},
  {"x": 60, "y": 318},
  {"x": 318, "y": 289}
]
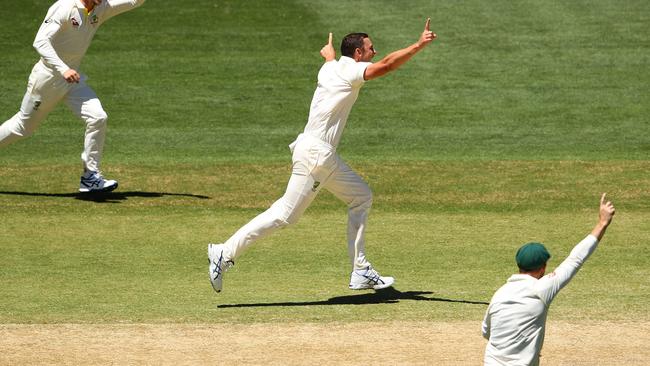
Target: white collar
[{"x": 521, "y": 277}]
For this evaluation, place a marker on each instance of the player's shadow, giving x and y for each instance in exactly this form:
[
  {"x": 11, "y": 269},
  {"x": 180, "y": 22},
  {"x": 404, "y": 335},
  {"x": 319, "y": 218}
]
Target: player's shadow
[
  {"x": 106, "y": 197},
  {"x": 386, "y": 296}
]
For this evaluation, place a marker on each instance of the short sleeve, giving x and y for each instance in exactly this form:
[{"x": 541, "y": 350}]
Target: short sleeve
[{"x": 359, "y": 70}]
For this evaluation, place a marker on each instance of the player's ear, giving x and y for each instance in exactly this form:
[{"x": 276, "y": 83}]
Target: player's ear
[{"x": 357, "y": 54}]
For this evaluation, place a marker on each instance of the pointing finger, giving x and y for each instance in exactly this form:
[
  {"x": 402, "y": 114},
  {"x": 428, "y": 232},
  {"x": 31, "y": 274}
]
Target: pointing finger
[
  {"x": 426, "y": 25},
  {"x": 602, "y": 198},
  {"x": 330, "y": 40}
]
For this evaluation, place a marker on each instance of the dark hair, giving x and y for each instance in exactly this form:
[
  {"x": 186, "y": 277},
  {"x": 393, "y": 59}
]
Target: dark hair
[{"x": 351, "y": 42}]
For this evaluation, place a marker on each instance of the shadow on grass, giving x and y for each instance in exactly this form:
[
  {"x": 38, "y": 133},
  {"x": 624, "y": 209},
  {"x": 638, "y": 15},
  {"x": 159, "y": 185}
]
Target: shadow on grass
[
  {"x": 385, "y": 296},
  {"x": 110, "y": 197}
]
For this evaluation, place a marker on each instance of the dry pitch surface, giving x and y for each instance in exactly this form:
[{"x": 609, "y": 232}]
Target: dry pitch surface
[{"x": 399, "y": 343}]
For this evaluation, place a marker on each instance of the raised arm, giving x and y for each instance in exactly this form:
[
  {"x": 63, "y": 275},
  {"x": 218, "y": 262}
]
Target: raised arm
[
  {"x": 396, "y": 59},
  {"x": 549, "y": 285}
]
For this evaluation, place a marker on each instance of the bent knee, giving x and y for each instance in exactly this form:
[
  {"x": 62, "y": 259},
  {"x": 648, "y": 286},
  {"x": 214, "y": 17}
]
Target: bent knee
[
  {"x": 363, "y": 200},
  {"x": 99, "y": 118},
  {"x": 367, "y": 203}
]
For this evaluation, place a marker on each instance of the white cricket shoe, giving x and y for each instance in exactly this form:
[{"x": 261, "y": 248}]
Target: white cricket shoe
[
  {"x": 218, "y": 266},
  {"x": 95, "y": 182},
  {"x": 368, "y": 278}
]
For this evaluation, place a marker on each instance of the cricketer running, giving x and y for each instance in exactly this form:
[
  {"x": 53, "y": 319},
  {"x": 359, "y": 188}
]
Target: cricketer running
[
  {"x": 62, "y": 42},
  {"x": 316, "y": 165}
]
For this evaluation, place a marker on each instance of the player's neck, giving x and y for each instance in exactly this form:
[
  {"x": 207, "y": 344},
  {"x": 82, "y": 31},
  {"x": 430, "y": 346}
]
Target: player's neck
[{"x": 539, "y": 273}]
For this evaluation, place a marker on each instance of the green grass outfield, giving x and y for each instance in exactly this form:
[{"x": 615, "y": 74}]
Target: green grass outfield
[{"x": 505, "y": 130}]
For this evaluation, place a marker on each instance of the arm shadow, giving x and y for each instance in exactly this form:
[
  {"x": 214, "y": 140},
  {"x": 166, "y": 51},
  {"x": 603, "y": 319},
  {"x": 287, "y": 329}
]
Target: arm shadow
[{"x": 386, "y": 296}]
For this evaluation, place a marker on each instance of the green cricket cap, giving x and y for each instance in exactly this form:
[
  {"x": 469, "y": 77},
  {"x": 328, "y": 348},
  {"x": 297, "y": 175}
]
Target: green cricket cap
[{"x": 532, "y": 256}]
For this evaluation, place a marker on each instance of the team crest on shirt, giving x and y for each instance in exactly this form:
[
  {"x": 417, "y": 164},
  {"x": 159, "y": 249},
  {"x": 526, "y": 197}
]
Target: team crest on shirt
[
  {"x": 94, "y": 19},
  {"x": 75, "y": 22}
]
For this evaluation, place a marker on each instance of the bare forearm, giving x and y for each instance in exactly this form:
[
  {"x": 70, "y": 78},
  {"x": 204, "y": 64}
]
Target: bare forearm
[
  {"x": 599, "y": 230},
  {"x": 398, "y": 58}
]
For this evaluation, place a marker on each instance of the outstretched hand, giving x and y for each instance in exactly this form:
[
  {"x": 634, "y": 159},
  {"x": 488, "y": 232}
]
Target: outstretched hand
[
  {"x": 605, "y": 214},
  {"x": 327, "y": 51},
  {"x": 427, "y": 35},
  {"x": 607, "y": 210}
]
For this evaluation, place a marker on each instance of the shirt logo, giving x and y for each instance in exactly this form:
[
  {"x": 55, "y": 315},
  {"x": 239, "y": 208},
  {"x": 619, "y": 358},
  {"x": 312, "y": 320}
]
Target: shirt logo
[
  {"x": 315, "y": 186},
  {"x": 94, "y": 19},
  {"x": 75, "y": 22},
  {"x": 37, "y": 104}
]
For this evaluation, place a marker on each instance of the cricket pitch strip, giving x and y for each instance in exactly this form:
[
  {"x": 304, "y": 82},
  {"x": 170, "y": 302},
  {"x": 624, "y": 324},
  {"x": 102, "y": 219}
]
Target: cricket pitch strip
[{"x": 392, "y": 343}]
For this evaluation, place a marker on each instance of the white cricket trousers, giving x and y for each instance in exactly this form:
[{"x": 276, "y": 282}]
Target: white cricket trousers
[
  {"x": 45, "y": 89},
  {"x": 315, "y": 166}
]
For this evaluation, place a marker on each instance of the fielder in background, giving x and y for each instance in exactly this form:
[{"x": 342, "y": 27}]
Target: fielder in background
[
  {"x": 515, "y": 321},
  {"x": 62, "y": 41},
  {"x": 316, "y": 165}
]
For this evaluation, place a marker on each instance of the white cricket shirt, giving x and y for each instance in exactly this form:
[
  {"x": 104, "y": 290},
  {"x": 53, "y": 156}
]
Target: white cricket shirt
[
  {"x": 515, "y": 321},
  {"x": 339, "y": 83},
  {"x": 65, "y": 35}
]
